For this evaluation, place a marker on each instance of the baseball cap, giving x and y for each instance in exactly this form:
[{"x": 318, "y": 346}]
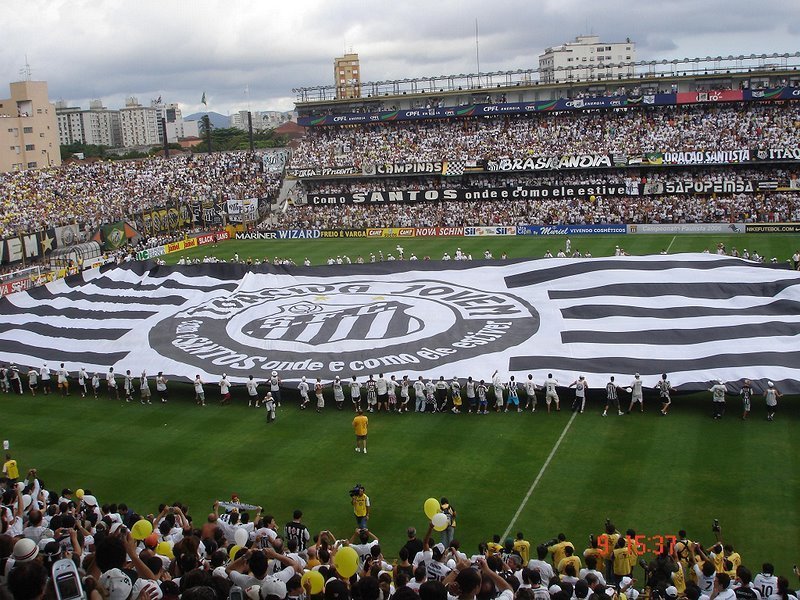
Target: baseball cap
[
  {"x": 637, "y": 376},
  {"x": 273, "y": 586},
  {"x": 625, "y": 581},
  {"x": 671, "y": 592},
  {"x": 253, "y": 592},
  {"x": 25, "y": 550},
  {"x": 117, "y": 583}
]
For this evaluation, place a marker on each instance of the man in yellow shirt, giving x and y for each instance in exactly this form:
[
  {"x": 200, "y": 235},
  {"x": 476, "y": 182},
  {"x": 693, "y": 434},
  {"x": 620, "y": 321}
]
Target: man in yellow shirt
[
  {"x": 10, "y": 469},
  {"x": 557, "y": 549},
  {"x": 569, "y": 559},
  {"x": 523, "y": 546},
  {"x": 360, "y": 424},
  {"x": 622, "y": 564},
  {"x": 360, "y": 502}
]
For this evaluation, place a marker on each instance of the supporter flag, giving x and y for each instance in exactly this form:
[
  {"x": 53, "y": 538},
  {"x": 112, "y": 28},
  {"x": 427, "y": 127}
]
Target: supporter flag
[
  {"x": 203, "y": 100},
  {"x": 453, "y": 168},
  {"x": 696, "y": 317}
]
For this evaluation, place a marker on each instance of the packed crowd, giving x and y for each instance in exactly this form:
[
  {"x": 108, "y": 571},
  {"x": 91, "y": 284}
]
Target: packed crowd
[
  {"x": 631, "y": 178},
  {"x": 94, "y": 193},
  {"x": 72, "y": 545},
  {"x": 681, "y": 208},
  {"x": 627, "y": 132}
]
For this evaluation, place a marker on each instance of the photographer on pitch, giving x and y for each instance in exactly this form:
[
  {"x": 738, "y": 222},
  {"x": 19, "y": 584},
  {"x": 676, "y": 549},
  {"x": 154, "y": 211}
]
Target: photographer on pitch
[{"x": 360, "y": 502}]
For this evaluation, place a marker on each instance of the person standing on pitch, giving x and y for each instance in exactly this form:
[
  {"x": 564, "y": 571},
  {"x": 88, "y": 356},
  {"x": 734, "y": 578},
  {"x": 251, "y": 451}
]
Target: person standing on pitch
[
  {"x": 530, "y": 393},
  {"x": 611, "y": 396},
  {"x": 269, "y": 405},
  {"x": 338, "y": 393},
  {"x": 771, "y": 395},
  {"x": 275, "y": 387},
  {"x": 449, "y": 533},
  {"x": 355, "y": 394},
  {"x": 360, "y": 425},
  {"x": 303, "y": 387},
  {"x": 636, "y": 393},
  {"x": 199, "y": 392},
  {"x": 252, "y": 392},
  {"x": 551, "y": 393},
  {"x": 497, "y": 385},
  {"x": 747, "y": 395},
  {"x": 718, "y": 398},
  {"x": 664, "y": 388},
  {"x": 579, "y": 404}
]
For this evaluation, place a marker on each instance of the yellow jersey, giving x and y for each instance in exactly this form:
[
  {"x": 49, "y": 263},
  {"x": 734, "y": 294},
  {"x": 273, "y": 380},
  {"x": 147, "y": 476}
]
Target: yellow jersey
[
  {"x": 360, "y": 504},
  {"x": 622, "y": 564},
  {"x": 360, "y": 424},
  {"x": 569, "y": 560},
  {"x": 10, "y": 469},
  {"x": 524, "y": 549},
  {"x": 557, "y": 550}
]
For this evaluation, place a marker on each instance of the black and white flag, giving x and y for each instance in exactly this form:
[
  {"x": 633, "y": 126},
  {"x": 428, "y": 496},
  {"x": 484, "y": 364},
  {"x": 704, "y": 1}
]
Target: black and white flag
[{"x": 696, "y": 317}]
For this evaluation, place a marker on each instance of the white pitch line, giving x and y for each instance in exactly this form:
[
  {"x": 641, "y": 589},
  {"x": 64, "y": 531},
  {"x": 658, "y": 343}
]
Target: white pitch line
[
  {"x": 539, "y": 476},
  {"x": 670, "y": 244}
]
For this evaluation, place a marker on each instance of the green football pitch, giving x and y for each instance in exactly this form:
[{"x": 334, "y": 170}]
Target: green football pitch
[
  {"x": 318, "y": 251},
  {"x": 533, "y": 473}
]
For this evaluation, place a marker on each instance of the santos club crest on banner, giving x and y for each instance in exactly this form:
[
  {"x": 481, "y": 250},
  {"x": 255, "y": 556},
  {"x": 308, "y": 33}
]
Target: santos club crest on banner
[
  {"x": 356, "y": 327},
  {"x": 696, "y": 317}
]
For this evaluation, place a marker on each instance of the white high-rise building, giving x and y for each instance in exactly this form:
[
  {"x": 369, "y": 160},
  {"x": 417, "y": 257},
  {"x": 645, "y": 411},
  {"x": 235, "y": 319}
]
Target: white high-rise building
[
  {"x": 70, "y": 124},
  {"x": 101, "y": 126},
  {"x": 139, "y": 124},
  {"x": 587, "y": 59}
]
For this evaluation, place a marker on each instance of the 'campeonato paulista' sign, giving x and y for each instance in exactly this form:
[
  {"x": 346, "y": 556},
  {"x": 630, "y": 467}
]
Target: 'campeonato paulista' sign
[{"x": 425, "y": 318}]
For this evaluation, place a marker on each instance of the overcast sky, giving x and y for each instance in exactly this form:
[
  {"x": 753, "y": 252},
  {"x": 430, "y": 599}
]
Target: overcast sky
[{"x": 177, "y": 49}]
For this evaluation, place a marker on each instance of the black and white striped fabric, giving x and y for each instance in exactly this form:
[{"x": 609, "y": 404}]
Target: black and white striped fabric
[{"x": 696, "y": 317}]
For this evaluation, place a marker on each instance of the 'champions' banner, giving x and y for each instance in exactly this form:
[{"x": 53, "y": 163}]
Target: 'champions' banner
[{"x": 597, "y": 317}]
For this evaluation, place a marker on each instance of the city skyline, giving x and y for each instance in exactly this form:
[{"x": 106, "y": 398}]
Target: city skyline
[{"x": 251, "y": 56}]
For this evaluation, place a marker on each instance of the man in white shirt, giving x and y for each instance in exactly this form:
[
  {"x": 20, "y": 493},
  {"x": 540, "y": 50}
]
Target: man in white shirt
[
  {"x": 44, "y": 376},
  {"x": 303, "y": 387},
  {"x": 252, "y": 392},
  {"x": 497, "y": 385},
  {"x": 636, "y": 393},
  {"x": 551, "y": 396},
  {"x": 225, "y": 390},
  {"x": 199, "y": 392},
  {"x": 111, "y": 384}
]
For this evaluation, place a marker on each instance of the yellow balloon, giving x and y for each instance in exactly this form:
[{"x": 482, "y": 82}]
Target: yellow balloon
[
  {"x": 431, "y": 507},
  {"x": 440, "y": 521},
  {"x": 346, "y": 561},
  {"x": 233, "y": 551},
  {"x": 316, "y": 579},
  {"x": 141, "y": 529},
  {"x": 79, "y": 493},
  {"x": 165, "y": 549}
]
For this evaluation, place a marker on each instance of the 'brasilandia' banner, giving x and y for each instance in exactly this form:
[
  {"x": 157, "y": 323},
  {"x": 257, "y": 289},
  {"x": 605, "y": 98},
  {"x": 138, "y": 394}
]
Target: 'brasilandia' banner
[
  {"x": 549, "y": 163},
  {"x": 696, "y": 317}
]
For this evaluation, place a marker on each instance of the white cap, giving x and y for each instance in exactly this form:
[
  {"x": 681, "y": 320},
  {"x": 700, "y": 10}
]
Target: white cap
[
  {"x": 274, "y": 373},
  {"x": 637, "y": 376},
  {"x": 770, "y": 384},
  {"x": 671, "y": 591},
  {"x": 117, "y": 583}
]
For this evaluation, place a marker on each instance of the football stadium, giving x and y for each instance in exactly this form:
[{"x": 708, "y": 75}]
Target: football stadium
[{"x": 530, "y": 334}]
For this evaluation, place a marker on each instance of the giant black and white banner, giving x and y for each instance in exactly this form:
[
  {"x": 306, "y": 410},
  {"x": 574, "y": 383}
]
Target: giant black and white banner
[{"x": 697, "y": 317}]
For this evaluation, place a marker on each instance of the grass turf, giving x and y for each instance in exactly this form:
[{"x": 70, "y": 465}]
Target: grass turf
[
  {"x": 781, "y": 246},
  {"x": 647, "y": 472},
  {"x": 651, "y": 473}
]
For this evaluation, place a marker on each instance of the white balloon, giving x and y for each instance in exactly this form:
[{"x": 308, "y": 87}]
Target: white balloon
[
  {"x": 240, "y": 537},
  {"x": 439, "y": 520}
]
